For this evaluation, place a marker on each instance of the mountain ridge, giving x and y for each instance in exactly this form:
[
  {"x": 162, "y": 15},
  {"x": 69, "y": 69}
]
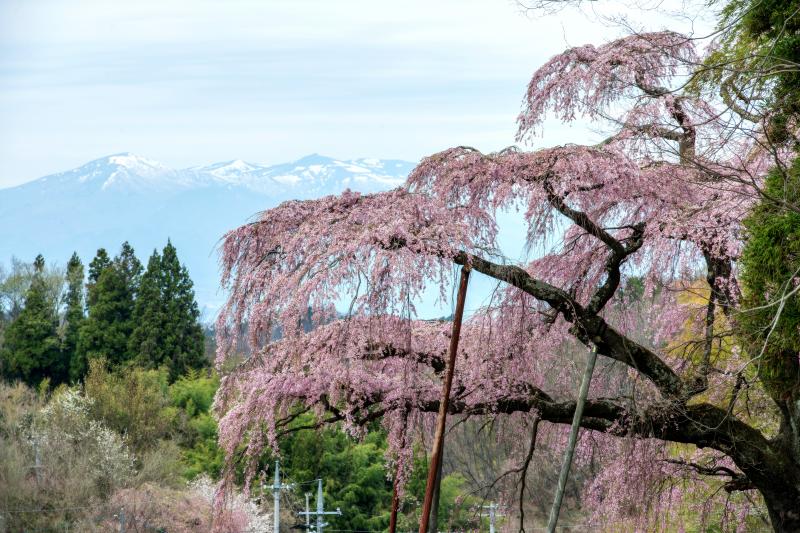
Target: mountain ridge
[
  {"x": 132, "y": 171},
  {"x": 126, "y": 196}
]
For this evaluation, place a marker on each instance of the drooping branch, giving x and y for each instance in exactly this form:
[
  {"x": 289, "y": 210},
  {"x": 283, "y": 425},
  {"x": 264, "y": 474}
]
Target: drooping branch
[
  {"x": 523, "y": 472},
  {"x": 632, "y": 209},
  {"x": 588, "y": 326},
  {"x": 703, "y": 425}
]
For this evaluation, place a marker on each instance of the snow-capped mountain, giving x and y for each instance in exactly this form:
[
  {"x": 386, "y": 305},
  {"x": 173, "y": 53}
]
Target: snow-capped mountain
[
  {"x": 129, "y": 197},
  {"x": 314, "y": 174}
]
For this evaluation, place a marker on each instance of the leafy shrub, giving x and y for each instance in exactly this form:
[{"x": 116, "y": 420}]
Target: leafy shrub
[
  {"x": 134, "y": 402},
  {"x": 56, "y": 462},
  {"x": 193, "y": 395}
]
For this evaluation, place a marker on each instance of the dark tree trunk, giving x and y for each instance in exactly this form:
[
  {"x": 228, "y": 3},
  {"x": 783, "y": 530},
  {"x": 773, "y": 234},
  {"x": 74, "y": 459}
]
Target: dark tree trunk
[{"x": 783, "y": 507}]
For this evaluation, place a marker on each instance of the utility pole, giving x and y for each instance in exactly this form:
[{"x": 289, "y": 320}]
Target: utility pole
[
  {"x": 320, "y": 506},
  {"x": 277, "y": 487},
  {"x": 308, "y": 514},
  {"x": 320, "y": 512},
  {"x": 492, "y": 515}
]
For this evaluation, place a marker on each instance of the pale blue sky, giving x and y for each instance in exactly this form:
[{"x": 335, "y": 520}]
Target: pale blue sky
[{"x": 189, "y": 82}]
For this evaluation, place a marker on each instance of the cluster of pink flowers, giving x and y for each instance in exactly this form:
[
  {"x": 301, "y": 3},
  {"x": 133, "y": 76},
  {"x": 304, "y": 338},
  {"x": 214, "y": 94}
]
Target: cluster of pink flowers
[
  {"x": 587, "y": 79},
  {"x": 380, "y": 251}
]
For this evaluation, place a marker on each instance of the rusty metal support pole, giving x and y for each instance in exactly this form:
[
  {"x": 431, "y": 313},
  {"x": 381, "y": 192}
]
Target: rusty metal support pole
[
  {"x": 438, "y": 439},
  {"x": 395, "y": 503}
]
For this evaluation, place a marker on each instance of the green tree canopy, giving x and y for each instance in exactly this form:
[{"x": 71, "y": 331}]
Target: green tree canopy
[
  {"x": 31, "y": 347},
  {"x": 110, "y": 297},
  {"x": 73, "y": 315},
  {"x": 100, "y": 262},
  {"x": 167, "y": 331}
]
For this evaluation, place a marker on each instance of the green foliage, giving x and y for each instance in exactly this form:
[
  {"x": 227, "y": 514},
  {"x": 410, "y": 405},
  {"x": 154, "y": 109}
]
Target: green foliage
[
  {"x": 194, "y": 392},
  {"x": 15, "y": 282},
  {"x": 150, "y": 319},
  {"x": 770, "y": 272},
  {"x": 104, "y": 333},
  {"x": 170, "y": 427},
  {"x": 760, "y": 49},
  {"x": 73, "y": 315},
  {"x": 100, "y": 262},
  {"x": 167, "y": 330},
  {"x": 355, "y": 479},
  {"x": 134, "y": 402},
  {"x": 13, "y": 286},
  {"x": 110, "y": 300},
  {"x": 193, "y": 396},
  {"x": 129, "y": 266},
  {"x": 775, "y": 23},
  {"x": 459, "y": 509},
  {"x": 354, "y": 474},
  {"x": 31, "y": 347}
]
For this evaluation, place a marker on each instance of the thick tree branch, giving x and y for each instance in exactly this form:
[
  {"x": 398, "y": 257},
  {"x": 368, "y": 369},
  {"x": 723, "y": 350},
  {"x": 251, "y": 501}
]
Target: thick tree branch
[
  {"x": 726, "y": 88},
  {"x": 703, "y": 425},
  {"x": 582, "y": 219},
  {"x": 613, "y": 264},
  {"x": 620, "y": 250},
  {"x": 736, "y": 482},
  {"x": 588, "y": 326}
]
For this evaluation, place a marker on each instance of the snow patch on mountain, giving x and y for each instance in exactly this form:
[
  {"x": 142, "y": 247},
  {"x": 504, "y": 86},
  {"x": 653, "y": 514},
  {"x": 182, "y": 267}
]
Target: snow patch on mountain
[{"x": 129, "y": 197}]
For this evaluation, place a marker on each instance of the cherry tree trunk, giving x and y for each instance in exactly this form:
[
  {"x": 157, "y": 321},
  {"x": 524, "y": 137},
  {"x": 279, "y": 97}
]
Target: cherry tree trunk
[{"x": 782, "y": 496}]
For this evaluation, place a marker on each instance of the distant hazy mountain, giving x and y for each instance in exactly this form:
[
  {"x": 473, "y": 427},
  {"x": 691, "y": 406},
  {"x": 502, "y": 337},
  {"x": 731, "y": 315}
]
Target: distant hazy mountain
[{"x": 128, "y": 197}]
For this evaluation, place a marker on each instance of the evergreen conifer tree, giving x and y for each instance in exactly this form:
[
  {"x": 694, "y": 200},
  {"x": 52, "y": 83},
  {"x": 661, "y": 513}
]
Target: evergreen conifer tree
[
  {"x": 148, "y": 315},
  {"x": 130, "y": 267},
  {"x": 100, "y": 262},
  {"x": 110, "y": 300},
  {"x": 167, "y": 330},
  {"x": 31, "y": 348},
  {"x": 73, "y": 317}
]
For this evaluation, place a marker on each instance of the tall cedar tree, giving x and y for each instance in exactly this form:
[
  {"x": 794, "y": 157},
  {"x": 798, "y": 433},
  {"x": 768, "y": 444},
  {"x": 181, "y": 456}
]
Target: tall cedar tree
[
  {"x": 73, "y": 316},
  {"x": 167, "y": 331},
  {"x": 111, "y": 294},
  {"x": 100, "y": 262},
  {"x": 31, "y": 350},
  {"x": 130, "y": 267}
]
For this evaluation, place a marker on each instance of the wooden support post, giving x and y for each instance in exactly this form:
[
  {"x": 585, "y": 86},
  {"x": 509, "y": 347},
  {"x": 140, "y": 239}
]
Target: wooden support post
[
  {"x": 438, "y": 439},
  {"x": 395, "y": 503},
  {"x": 573, "y": 439}
]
